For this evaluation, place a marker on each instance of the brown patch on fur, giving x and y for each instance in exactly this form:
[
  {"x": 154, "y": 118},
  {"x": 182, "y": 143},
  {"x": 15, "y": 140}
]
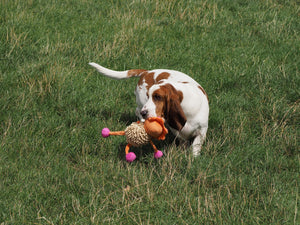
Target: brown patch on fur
[
  {"x": 149, "y": 80},
  {"x": 159, "y": 100},
  {"x": 142, "y": 77},
  {"x": 135, "y": 72},
  {"x": 167, "y": 100},
  {"x": 201, "y": 88},
  {"x": 162, "y": 76}
]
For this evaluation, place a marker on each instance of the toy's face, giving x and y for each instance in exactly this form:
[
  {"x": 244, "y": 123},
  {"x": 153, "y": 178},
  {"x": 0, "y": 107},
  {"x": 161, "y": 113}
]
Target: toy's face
[{"x": 154, "y": 129}]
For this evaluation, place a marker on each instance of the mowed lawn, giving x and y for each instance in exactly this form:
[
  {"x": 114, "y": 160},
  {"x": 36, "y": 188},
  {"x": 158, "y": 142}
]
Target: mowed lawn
[{"x": 55, "y": 168}]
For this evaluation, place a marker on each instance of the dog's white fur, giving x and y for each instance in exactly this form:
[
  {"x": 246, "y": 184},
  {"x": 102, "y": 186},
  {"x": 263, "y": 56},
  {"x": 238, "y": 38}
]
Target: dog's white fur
[{"x": 173, "y": 95}]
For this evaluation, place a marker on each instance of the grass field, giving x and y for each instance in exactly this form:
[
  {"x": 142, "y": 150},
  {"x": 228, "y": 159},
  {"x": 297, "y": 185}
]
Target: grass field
[{"x": 56, "y": 169}]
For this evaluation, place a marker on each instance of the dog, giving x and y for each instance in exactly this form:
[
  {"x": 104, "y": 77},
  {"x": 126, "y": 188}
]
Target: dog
[{"x": 172, "y": 95}]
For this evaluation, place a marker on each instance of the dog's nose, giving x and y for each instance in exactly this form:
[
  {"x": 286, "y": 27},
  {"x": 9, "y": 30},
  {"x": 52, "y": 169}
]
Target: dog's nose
[{"x": 144, "y": 113}]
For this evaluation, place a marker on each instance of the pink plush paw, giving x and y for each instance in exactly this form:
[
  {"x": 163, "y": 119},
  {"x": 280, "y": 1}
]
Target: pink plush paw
[
  {"x": 158, "y": 154},
  {"x": 105, "y": 132},
  {"x": 130, "y": 157}
]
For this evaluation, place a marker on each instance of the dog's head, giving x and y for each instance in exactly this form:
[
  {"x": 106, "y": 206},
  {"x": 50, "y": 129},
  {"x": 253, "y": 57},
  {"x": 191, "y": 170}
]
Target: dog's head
[{"x": 164, "y": 101}]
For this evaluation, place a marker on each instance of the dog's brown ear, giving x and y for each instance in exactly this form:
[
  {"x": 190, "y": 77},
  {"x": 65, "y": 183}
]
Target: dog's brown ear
[{"x": 173, "y": 112}]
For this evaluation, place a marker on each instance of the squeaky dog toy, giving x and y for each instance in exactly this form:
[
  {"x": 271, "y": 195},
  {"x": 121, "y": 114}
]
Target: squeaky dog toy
[{"x": 141, "y": 133}]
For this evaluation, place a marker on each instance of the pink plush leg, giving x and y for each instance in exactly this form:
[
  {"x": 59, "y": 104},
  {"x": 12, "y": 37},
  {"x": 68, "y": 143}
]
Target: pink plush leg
[
  {"x": 130, "y": 156},
  {"x": 157, "y": 153},
  {"x": 105, "y": 132}
]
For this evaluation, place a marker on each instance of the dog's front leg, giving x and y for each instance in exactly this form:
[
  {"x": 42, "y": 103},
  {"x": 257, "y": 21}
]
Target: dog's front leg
[{"x": 198, "y": 142}]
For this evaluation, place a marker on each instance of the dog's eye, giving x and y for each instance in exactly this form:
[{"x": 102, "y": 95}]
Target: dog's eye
[{"x": 157, "y": 97}]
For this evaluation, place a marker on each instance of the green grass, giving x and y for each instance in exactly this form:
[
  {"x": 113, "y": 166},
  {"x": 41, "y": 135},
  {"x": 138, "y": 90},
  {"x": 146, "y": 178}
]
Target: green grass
[{"x": 56, "y": 169}]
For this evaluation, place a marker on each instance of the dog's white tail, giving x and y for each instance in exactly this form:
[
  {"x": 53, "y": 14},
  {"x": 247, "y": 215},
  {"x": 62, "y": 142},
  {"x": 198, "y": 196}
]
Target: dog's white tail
[{"x": 116, "y": 74}]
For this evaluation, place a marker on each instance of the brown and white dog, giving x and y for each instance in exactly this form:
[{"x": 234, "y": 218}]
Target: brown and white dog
[{"x": 172, "y": 95}]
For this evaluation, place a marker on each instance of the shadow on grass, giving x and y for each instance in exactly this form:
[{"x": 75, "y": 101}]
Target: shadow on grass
[{"x": 128, "y": 118}]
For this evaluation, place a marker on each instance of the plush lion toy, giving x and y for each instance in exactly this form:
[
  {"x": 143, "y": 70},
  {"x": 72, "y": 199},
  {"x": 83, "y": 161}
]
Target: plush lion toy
[{"x": 141, "y": 133}]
